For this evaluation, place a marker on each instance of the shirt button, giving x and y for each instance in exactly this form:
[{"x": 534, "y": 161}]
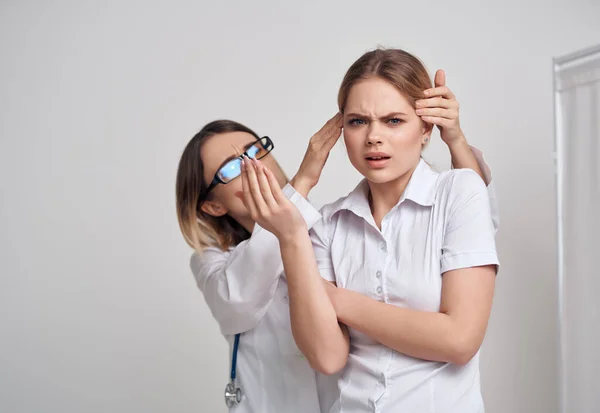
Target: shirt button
[
  {"x": 378, "y": 274},
  {"x": 383, "y": 246},
  {"x": 379, "y": 290}
]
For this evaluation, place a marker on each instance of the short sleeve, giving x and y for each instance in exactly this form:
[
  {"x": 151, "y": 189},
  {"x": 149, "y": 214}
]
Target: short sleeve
[
  {"x": 322, "y": 247},
  {"x": 469, "y": 230}
]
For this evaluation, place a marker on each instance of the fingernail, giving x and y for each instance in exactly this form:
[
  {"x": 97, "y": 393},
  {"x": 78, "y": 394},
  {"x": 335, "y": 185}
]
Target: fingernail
[
  {"x": 419, "y": 111},
  {"x": 426, "y": 92}
]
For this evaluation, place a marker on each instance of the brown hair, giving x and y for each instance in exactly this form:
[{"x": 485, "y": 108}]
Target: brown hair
[
  {"x": 398, "y": 67},
  {"x": 200, "y": 229}
]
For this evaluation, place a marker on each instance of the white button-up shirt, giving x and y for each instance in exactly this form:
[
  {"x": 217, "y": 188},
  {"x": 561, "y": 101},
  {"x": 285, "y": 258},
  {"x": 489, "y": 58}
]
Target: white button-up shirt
[
  {"x": 442, "y": 222},
  {"x": 246, "y": 291}
]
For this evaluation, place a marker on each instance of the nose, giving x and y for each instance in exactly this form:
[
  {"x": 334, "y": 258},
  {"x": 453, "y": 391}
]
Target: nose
[{"x": 373, "y": 135}]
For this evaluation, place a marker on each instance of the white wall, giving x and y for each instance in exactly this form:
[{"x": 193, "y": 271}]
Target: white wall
[{"x": 98, "y": 309}]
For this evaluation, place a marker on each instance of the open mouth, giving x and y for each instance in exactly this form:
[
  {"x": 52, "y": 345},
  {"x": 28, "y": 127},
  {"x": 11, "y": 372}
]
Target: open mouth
[{"x": 377, "y": 160}]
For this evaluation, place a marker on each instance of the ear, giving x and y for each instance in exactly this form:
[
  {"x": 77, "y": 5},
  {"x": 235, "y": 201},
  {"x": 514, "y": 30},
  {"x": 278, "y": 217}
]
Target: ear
[
  {"x": 426, "y": 133},
  {"x": 214, "y": 209}
]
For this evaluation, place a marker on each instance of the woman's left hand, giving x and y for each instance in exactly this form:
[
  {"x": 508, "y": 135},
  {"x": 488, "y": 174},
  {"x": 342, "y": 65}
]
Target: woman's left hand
[
  {"x": 440, "y": 108},
  {"x": 316, "y": 155},
  {"x": 267, "y": 204}
]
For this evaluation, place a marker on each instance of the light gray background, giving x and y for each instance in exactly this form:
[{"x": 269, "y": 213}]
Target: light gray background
[{"x": 98, "y": 309}]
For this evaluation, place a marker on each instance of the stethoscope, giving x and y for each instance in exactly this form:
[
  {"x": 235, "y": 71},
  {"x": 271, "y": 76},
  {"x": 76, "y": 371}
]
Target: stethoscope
[{"x": 233, "y": 394}]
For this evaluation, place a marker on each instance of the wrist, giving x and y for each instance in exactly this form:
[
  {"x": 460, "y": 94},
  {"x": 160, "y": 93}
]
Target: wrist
[
  {"x": 301, "y": 184},
  {"x": 294, "y": 237},
  {"x": 458, "y": 143}
]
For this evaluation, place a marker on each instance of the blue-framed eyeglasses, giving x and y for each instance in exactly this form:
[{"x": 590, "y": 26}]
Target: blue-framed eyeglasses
[{"x": 233, "y": 168}]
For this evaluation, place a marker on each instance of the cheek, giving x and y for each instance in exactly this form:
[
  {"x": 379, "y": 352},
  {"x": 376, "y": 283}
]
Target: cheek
[
  {"x": 354, "y": 140},
  {"x": 410, "y": 132},
  {"x": 273, "y": 166},
  {"x": 226, "y": 194},
  {"x": 355, "y": 145}
]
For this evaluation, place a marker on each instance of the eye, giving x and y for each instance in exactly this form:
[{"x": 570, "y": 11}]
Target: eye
[
  {"x": 395, "y": 121},
  {"x": 252, "y": 151},
  {"x": 231, "y": 170},
  {"x": 356, "y": 122}
]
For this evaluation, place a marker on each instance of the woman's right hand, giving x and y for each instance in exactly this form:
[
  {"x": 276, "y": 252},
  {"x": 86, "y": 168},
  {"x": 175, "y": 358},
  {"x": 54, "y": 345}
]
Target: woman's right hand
[
  {"x": 267, "y": 204},
  {"x": 316, "y": 155}
]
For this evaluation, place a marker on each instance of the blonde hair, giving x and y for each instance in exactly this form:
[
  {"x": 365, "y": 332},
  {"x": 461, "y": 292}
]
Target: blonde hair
[
  {"x": 200, "y": 229},
  {"x": 403, "y": 70}
]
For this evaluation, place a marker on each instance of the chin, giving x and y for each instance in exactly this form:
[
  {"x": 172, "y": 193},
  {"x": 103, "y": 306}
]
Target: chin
[
  {"x": 385, "y": 175},
  {"x": 378, "y": 176}
]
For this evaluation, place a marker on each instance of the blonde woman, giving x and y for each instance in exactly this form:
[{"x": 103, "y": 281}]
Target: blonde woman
[{"x": 411, "y": 251}]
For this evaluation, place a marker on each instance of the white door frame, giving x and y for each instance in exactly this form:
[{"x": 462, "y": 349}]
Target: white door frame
[{"x": 559, "y": 64}]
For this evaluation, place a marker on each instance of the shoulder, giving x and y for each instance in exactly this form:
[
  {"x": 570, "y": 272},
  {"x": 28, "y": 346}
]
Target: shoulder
[
  {"x": 327, "y": 225},
  {"x": 328, "y": 211},
  {"x": 202, "y": 264},
  {"x": 354, "y": 201},
  {"x": 459, "y": 184}
]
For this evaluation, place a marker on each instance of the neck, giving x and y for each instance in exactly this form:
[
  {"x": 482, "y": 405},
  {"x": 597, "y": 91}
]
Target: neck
[
  {"x": 245, "y": 222},
  {"x": 384, "y": 196}
]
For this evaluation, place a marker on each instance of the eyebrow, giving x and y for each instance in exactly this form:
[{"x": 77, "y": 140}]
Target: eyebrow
[
  {"x": 236, "y": 156},
  {"x": 389, "y": 115}
]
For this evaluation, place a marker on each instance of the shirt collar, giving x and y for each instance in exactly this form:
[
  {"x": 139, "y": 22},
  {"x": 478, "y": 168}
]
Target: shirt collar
[{"x": 420, "y": 189}]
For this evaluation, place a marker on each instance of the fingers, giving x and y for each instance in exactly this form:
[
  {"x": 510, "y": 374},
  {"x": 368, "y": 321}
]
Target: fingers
[
  {"x": 335, "y": 121},
  {"x": 339, "y": 120},
  {"x": 438, "y": 112},
  {"x": 437, "y": 102},
  {"x": 248, "y": 199},
  {"x": 331, "y": 140},
  {"x": 443, "y": 91},
  {"x": 329, "y": 129},
  {"x": 261, "y": 187},
  {"x": 440, "y": 78},
  {"x": 263, "y": 183},
  {"x": 254, "y": 186},
  {"x": 325, "y": 139},
  {"x": 441, "y": 122},
  {"x": 335, "y": 127},
  {"x": 278, "y": 195}
]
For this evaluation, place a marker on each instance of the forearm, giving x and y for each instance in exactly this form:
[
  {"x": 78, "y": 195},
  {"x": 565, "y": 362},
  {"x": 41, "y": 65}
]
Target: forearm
[
  {"x": 314, "y": 322},
  {"x": 462, "y": 156},
  {"x": 420, "y": 334}
]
